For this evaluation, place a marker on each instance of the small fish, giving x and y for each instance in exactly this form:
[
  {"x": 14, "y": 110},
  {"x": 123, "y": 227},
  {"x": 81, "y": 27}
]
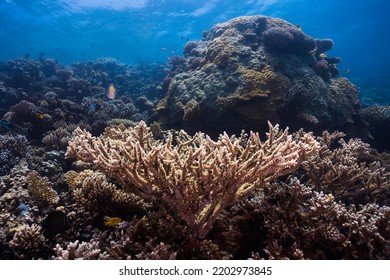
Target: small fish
[
  {"x": 111, "y": 92},
  {"x": 330, "y": 198},
  {"x": 40, "y": 116},
  {"x": 92, "y": 106},
  {"x": 299, "y": 27},
  {"x": 56, "y": 222},
  {"x": 111, "y": 222},
  {"x": 164, "y": 49},
  {"x": 22, "y": 209},
  {"x": 14, "y": 229},
  {"x": 13, "y": 127},
  {"x": 346, "y": 70}
]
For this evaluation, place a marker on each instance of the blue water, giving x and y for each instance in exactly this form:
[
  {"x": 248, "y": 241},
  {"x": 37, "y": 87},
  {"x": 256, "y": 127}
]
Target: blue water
[{"x": 150, "y": 30}]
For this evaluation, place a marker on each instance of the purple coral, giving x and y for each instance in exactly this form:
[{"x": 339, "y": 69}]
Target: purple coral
[
  {"x": 325, "y": 70},
  {"x": 176, "y": 61},
  {"x": 12, "y": 149},
  {"x": 322, "y": 69},
  {"x": 289, "y": 39},
  {"x": 21, "y": 111},
  {"x": 277, "y": 37},
  {"x": 323, "y": 45},
  {"x": 189, "y": 46},
  {"x": 195, "y": 62},
  {"x": 64, "y": 74}
]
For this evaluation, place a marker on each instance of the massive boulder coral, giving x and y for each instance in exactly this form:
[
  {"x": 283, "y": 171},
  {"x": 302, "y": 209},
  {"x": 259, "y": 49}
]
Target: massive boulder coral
[
  {"x": 196, "y": 176},
  {"x": 246, "y": 72}
]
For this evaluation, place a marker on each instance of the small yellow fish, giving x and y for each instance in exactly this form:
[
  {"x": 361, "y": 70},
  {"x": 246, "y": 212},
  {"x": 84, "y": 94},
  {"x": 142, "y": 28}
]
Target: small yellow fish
[
  {"x": 111, "y": 222},
  {"x": 14, "y": 229},
  {"x": 330, "y": 198},
  {"x": 40, "y": 115},
  {"x": 111, "y": 92}
]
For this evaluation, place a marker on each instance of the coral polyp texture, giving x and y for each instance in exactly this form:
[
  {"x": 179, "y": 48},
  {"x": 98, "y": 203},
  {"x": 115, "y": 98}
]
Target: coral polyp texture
[{"x": 197, "y": 177}]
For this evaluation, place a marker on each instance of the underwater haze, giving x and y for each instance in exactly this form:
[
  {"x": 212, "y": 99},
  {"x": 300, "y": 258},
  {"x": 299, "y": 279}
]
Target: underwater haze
[{"x": 133, "y": 31}]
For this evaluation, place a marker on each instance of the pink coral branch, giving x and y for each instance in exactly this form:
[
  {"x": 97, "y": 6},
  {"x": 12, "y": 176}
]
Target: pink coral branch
[{"x": 198, "y": 177}]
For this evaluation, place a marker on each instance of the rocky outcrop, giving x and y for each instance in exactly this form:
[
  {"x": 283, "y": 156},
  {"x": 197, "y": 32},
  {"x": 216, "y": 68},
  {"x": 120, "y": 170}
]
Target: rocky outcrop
[{"x": 255, "y": 69}]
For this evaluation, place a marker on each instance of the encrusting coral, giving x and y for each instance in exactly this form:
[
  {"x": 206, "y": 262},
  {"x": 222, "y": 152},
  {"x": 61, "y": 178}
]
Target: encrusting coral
[{"x": 197, "y": 177}]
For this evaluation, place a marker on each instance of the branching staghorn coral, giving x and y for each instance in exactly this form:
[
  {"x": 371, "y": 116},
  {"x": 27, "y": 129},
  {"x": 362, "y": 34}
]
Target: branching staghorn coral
[
  {"x": 27, "y": 241},
  {"x": 78, "y": 251},
  {"x": 94, "y": 193},
  {"x": 293, "y": 221},
  {"x": 197, "y": 177},
  {"x": 59, "y": 138},
  {"x": 347, "y": 170}
]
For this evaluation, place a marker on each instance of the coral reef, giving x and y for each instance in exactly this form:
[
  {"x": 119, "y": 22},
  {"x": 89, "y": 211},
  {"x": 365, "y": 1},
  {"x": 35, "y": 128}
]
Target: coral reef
[
  {"x": 288, "y": 38},
  {"x": 38, "y": 94},
  {"x": 295, "y": 222},
  {"x": 155, "y": 191},
  {"x": 378, "y": 118},
  {"x": 94, "y": 193},
  {"x": 59, "y": 137},
  {"x": 348, "y": 170},
  {"x": 198, "y": 177},
  {"x": 78, "y": 251},
  {"x": 244, "y": 72},
  {"x": 40, "y": 189},
  {"x": 12, "y": 149},
  {"x": 27, "y": 241}
]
